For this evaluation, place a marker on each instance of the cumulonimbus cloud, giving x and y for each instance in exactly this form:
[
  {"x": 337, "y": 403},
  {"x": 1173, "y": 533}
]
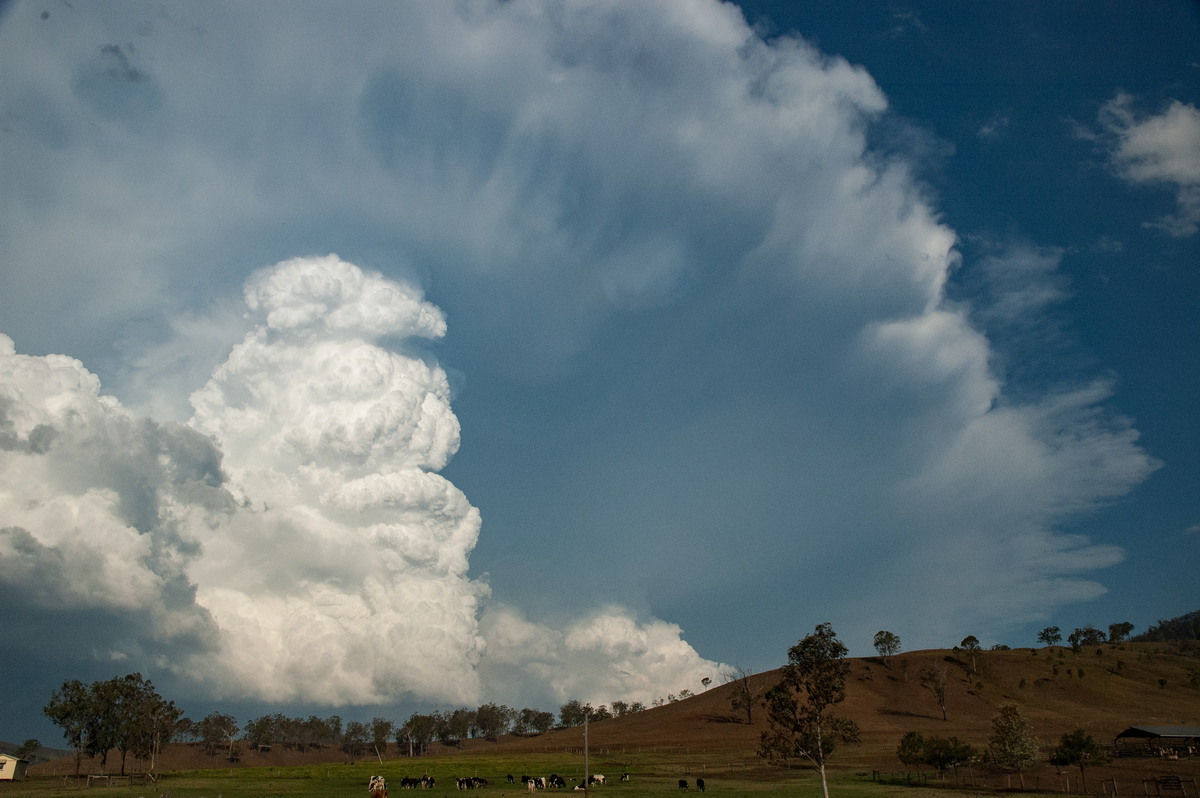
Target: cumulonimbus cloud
[
  {"x": 300, "y": 515},
  {"x": 554, "y": 170}
]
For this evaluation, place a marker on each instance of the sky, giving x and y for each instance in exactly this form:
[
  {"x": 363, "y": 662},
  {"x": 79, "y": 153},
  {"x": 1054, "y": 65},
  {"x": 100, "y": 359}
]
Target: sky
[{"x": 382, "y": 357}]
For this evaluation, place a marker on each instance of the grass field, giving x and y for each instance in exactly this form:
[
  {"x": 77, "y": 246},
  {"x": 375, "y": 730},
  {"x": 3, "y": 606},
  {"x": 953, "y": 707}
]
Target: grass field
[{"x": 654, "y": 775}]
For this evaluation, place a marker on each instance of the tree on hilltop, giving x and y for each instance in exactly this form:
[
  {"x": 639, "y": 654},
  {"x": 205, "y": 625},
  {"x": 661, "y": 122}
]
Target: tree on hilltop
[
  {"x": 887, "y": 644},
  {"x": 1085, "y": 636},
  {"x": 1051, "y": 636},
  {"x": 1119, "y": 631},
  {"x": 970, "y": 644}
]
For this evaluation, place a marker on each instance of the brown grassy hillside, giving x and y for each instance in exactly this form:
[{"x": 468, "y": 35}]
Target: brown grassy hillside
[{"x": 1101, "y": 689}]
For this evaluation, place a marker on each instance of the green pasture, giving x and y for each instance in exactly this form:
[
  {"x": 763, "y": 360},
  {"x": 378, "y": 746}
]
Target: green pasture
[{"x": 649, "y": 776}]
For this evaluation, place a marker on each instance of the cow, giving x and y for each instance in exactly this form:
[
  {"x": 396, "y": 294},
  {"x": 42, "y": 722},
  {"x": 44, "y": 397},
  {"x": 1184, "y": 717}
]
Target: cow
[
  {"x": 700, "y": 785},
  {"x": 377, "y": 787},
  {"x": 510, "y": 778},
  {"x": 597, "y": 778},
  {"x": 556, "y": 780},
  {"x": 624, "y": 777},
  {"x": 683, "y": 785},
  {"x": 472, "y": 783}
]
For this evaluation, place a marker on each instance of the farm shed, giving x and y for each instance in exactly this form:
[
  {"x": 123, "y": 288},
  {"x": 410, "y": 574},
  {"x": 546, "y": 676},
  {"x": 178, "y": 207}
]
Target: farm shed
[
  {"x": 1158, "y": 741},
  {"x": 11, "y": 768}
]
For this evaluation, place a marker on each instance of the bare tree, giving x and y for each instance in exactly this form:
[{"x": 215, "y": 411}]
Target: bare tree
[
  {"x": 746, "y": 690},
  {"x": 934, "y": 679}
]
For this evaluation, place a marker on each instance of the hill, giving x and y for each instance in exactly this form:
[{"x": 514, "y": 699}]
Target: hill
[
  {"x": 1185, "y": 629},
  {"x": 1102, "y": 689}
]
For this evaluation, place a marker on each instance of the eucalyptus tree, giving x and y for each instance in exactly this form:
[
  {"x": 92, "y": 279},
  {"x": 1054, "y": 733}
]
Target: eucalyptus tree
[
  {"x": 1051, "y": 636},
  {"x": 799, "y": 708},
  {"x": 69, "y": 709},
  {"x": 887, "y": 644}
]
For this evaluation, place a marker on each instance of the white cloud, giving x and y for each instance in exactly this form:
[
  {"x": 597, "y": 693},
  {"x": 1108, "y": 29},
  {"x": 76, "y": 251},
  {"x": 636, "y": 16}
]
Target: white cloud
[
  {"x": 603, "y": 656},
  {"x": 1161, "y": 148},
  {"x": 319, "y": 555}
]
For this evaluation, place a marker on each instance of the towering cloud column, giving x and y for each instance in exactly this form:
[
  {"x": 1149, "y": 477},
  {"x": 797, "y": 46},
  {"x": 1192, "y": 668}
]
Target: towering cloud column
[{"x": 344, "y": 577}]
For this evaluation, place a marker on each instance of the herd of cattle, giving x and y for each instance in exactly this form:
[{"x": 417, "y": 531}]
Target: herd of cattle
[{"x": 378, "y": 786}]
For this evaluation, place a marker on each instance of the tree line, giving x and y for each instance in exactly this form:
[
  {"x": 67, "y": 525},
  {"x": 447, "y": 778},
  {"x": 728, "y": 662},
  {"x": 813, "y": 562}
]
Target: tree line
[{"x": 127, "y": 715}]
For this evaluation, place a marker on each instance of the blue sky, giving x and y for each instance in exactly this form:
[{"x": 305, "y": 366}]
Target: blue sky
[{"x": 389, "y": 356}]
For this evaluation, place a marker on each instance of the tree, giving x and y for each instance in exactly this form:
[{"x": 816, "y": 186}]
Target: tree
[
  {"x": 70, "y": 709},
  {"x": 935, "y": 679},
  {"x": 218, "y": 730},
  {"x": 1119, "y": 631},
  {"x": 1011, "y": 745},
  {"x": 799, "y": 707},
  {"x": 420, "y": 730},
  {"x": 970, "y": 644},
  {"x": 493, "y": 720},
  {"x": 887, "y": 644},
  {"x": 261, "y": 731},
  {"x": 354, "y": 738},
  {"x": 456, "y": 726},
  {"x": 1080, "y": 749},
  {"x": 28, "y": 750},
  {"x": 161, "y": 719},
  {"x": 745, "y": 691},
  {"x": 381, "y": 731},
  {"x": 138, "y": 719},
  {"x": 572, "y": 713},
  {"x": 1051, "y": 636},
  {"x": 1085, "y": 636},
  {"x": 911, "y": 750},
  {"x": 947, "y": 752},
  {"x": 938, "y": 752}
]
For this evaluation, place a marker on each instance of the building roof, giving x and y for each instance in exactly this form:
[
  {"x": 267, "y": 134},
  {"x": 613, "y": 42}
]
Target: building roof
[{"x": 1183, "y": 732}]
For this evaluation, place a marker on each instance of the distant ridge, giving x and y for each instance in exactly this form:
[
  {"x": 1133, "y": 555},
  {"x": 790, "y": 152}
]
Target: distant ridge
[{"x": 44, "y": 753}]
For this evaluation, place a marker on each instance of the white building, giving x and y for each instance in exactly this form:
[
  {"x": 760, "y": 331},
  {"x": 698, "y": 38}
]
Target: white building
[{"x": 11, "y": 768}]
